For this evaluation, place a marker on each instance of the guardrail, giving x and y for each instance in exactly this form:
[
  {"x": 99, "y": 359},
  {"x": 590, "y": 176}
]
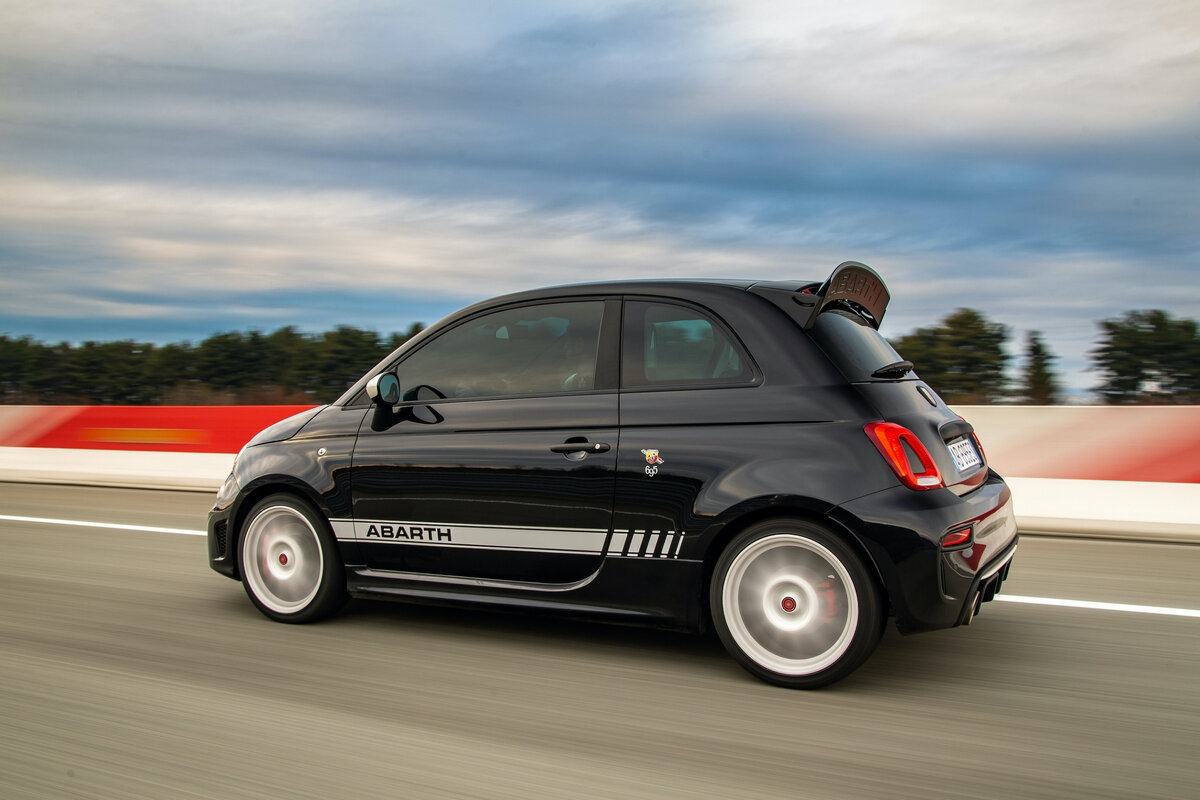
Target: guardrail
[{"x": 1078, "y": 470}]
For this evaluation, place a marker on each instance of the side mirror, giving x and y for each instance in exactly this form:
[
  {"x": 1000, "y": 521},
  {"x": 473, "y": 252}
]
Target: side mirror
[{"x": 384, "y": 389}]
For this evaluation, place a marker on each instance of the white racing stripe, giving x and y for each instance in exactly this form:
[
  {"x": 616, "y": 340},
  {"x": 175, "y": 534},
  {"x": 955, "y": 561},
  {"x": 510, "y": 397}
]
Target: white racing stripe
[
  {"x": 1008, "y": 598},
  {"x": 582, "y": 541},
  {"x": 111, "y": 525},
  {"x": 1126, "y": 607}
]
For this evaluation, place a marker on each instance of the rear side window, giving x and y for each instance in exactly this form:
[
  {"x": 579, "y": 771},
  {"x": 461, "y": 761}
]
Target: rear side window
[
  {"x": 666, "y": 345},
  {"x": 854, "y": 347}
]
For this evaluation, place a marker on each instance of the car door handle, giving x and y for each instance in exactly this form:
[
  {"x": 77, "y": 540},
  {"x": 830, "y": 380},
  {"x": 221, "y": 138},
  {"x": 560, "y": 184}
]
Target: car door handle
[{"x": 580, "y": 447}]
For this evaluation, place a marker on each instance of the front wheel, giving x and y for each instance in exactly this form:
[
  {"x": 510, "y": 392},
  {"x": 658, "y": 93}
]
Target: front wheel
[
  {"x": 289, "y": 561},
  {"x": 794, "y": 605}
]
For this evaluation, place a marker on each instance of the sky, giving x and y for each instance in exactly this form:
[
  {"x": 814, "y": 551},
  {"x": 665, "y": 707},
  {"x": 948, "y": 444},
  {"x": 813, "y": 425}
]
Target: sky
[{"x": 170, "y": 170}]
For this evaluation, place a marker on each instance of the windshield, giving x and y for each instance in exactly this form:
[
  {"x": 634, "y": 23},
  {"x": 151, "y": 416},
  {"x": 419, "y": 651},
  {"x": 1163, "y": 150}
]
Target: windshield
[{"x": 852, "y": 344}]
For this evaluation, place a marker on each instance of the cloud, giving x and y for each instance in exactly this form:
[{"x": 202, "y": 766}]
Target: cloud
[
  {"x": 169, "y": 162},
  {"x": 1006, "y": 71}
]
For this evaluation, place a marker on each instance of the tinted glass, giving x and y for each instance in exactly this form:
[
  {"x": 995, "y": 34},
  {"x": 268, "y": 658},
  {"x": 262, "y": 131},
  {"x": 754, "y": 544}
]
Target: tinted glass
[
  {"x": 529, "y": 350},
  {"x": 855, "y": 347},
  {"x": 670, "y": 345}
]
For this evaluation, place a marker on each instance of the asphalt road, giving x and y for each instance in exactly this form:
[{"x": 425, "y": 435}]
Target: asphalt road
[{"x": 128, "y": 669}]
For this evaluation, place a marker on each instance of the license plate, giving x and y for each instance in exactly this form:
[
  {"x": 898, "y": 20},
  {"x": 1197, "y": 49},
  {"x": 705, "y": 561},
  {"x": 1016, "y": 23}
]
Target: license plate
[{"x": 964, "y": 454}]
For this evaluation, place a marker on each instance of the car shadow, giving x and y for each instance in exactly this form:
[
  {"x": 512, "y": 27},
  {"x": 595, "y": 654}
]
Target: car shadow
[
  {"x": 991, "y": 651},
  {"x": 547, "y": 630}
]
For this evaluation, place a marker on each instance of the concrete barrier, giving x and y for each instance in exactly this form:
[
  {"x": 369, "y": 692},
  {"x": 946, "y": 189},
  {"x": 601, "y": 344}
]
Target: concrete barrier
[
  {"x": 198, "y": 472},
  {"x": 1129, "y": 472},
  {"x": 1159, "y": 512}
]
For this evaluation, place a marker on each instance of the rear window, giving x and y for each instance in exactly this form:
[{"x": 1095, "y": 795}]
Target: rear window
[
  {"x": 852, "y": 344},
  {"x": 667, "y": 345}
]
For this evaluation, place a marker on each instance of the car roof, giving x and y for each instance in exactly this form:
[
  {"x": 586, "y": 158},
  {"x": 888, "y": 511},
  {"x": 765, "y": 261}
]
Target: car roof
[{"x": 677, "y": 287}]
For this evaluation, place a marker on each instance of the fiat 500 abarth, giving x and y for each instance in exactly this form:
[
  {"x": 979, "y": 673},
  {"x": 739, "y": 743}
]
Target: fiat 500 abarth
[{"x": 750, "y": 455}]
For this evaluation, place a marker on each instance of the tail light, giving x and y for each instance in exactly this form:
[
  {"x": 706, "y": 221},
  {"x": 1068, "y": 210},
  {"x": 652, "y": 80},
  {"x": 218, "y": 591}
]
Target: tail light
[
  {"x": 895, "y": 443},
  {"x": 958, "y": 538}
]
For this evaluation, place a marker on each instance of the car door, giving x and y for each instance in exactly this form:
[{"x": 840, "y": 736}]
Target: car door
[{"x": 502, "y": 463}]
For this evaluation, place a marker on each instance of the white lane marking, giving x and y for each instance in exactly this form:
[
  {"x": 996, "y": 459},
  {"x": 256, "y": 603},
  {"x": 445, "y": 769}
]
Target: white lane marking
[
  {"x": 1053, "y": 601},
  {"x": 113, "y": 525}
]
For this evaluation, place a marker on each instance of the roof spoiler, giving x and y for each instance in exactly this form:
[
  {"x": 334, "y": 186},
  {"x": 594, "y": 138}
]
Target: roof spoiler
[{"x": 851, "y": 283}]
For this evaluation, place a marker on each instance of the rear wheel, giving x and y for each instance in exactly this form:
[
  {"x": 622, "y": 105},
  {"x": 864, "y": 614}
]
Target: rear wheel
[
  {"x": 290, "y": 564},
  {"x": 794, "y": 605}
]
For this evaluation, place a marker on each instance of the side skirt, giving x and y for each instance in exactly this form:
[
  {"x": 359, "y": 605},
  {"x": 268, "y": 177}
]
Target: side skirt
[{"x": 659, "y": 593}]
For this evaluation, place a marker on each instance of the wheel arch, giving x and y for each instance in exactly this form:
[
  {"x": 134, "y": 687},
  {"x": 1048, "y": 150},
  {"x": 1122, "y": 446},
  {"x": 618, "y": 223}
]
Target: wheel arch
[
  {"x": 256, "y": 491},
  {"x": 838, "y": 522}
]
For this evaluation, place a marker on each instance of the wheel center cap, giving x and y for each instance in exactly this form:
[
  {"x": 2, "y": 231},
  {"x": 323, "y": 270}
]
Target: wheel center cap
[
  {"x": 283, "y": 559},
  {"x": 789, "y": 604}
]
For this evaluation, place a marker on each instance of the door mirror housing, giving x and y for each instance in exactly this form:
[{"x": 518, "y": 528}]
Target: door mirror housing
[{"x": 384, "y": 389}]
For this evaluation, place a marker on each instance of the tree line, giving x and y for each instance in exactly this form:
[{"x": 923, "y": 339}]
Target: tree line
[
  {"x": 284, "y": 367},
  {"x": 1141, "y": 357}
]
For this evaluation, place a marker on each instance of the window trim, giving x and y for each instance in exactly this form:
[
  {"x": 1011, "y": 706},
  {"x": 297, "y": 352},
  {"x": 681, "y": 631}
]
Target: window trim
[{"x": 756, "y": 374}]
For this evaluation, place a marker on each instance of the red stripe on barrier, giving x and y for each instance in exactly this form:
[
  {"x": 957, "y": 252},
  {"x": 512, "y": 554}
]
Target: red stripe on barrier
[
  {"x": 1133, "y": 443},
  {"x": 1100, "y": 443},
  {"x": 1176, "y": 462},
  {"x": 189, "y": 429}
]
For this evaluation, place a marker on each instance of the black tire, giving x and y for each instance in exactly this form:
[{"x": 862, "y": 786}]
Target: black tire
[
  {"x": 290, "y": 564},
  {"x": 794, "y": 605}
]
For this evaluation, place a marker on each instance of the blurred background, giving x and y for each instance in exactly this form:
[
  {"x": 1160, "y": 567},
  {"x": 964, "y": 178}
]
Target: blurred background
[{"x": 292, "y": 186}]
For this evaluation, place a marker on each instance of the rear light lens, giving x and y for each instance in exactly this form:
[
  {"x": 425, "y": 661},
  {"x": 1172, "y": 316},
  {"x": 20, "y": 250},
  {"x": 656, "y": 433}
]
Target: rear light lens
[
  {"x": 957, "y": 538},
  {"x": 890, "y": 440}
]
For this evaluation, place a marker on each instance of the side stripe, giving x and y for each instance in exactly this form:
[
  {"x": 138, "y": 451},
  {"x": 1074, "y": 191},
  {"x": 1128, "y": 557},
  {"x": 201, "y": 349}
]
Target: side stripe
[
  {"x": 441, "y": 534},
  {"x": 623, "y": 544},
  {"x": 645, "y": 544}
]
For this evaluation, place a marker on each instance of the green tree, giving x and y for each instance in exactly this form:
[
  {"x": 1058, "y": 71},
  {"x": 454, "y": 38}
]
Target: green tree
[
  {"x": 342, "y": 356},
  {"x": 170, "y": 372},
  {"x": 219, "y": 363},
  {"x": 291, "y": 357},
  {"x": 1038, "y": 385},
  {"x": 1148, "y": 357},
  {"x": 962, "y": 358},
  {"x": 46, "y": 379},
  {"x": 18, "y": 359},
  {"x": 108, "y": 373}
]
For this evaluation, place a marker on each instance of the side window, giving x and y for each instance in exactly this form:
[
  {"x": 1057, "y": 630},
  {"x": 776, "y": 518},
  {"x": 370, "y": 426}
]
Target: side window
[
  {"x": 528, "y": 350},
  {"x": 670, "y": 345}
]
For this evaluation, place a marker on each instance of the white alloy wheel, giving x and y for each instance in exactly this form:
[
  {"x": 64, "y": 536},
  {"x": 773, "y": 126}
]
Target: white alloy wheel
[
  {"x": 286, "y": 562},
  {"x": 794, "y": 605}
]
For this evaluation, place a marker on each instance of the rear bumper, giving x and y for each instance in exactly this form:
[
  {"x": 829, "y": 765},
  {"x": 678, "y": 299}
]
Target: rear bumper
[
  {"x": 932, "y": 587},
  {"x": 987, "y": 584}
]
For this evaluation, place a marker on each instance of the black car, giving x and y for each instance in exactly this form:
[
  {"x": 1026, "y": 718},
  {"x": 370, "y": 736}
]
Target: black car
[{"x": 750, "y": 455}]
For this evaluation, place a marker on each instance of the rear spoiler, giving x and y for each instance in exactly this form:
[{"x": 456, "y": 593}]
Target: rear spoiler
[{"x": 851, "y": 283}]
